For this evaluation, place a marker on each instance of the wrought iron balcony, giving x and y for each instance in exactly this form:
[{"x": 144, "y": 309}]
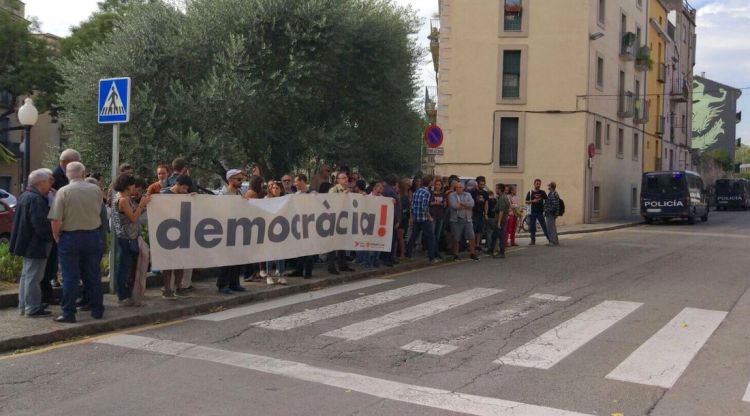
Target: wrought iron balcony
[
  {"x": 640, "y": 110},
  {"x": 680, "y": 90},
  {"x": 625, "y": 105}
]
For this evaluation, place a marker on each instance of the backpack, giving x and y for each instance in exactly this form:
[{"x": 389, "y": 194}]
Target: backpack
[{"x": 561, "y": 210}]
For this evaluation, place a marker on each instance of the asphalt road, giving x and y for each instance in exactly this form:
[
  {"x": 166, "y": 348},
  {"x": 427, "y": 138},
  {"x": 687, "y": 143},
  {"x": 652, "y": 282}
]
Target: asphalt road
[{"x": 648, "y": 320}]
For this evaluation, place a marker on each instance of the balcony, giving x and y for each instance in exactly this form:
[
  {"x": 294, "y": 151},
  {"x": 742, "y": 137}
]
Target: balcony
[
  {"x": 643, "y": 60},
  {"x": 430, "y": 103},
  {"x": 640, "y": 110},
  {"x": 625, "y": 107},
  {"x": 660, "y": 125},
  {"x": 680, "y": 90},
  {"x": 661, "y": 74},
  {"x": 627, "y": 46}
]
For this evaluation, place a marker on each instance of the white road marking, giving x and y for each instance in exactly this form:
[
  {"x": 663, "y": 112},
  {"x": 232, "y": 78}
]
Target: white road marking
[
  {"x": 746, "y": 397},
  {"x": 431, "y": 348},
  {"x": 552, "y": 298},
  {"x": 662, "y": 358},
  {"x": 559, "y": 342},
  {"x": 404, "y": 316},
  {"x": 376, "y": 387},
  {"x": 343, "y": 308},
  {"x": 486, "y": 322},
  {"x": 289, "y": 300}
]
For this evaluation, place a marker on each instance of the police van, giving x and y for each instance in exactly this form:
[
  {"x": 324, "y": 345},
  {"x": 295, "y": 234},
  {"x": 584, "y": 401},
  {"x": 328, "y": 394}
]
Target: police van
[
  {"x": 732, "y": 193},
  {"x": 673, "y": 194}
]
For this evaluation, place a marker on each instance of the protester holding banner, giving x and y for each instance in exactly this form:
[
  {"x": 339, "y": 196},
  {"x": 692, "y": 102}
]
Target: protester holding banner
[
  {"x": 339, "y": 257},
  {"x": 229, "y": 276},
  {"x": 303, "y": 265},
  {"x": 182, "y": 185},
  {"x": 275, "y": 190}
]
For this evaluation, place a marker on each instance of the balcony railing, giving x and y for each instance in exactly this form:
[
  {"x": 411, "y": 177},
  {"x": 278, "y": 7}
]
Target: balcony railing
[
  {"x": 643, "y": 60},
  {"x": 627, "y": 46},
  {"x": 680, "y": 89},
  {"x": 640, "y": 110},
  {"x": 625, "y": 105},
  {"x": 661, "y": 74},
  {"x": 660, "y": 125}
]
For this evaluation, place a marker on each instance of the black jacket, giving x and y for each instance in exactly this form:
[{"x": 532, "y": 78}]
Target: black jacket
[{"x": 32, "y": 231}]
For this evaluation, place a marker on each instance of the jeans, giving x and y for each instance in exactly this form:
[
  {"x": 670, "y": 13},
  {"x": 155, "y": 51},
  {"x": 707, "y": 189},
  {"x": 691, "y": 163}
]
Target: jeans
[
  {"x": 279, "y": 266},
  {"x": 50, "y": 274},
  {"x": 80, "y": 259},
  {"x": 229, "y": 276},
  {"x": 426, "y": 228},
  {"x": 124, "y": 265},
  {"x": 552, "y": 228},
  {"x": 498, "y": 234},
  {"x": 29, "y": 291},
  {"x": 533, "y": 218},
  {"x": 439, "y": 223}
]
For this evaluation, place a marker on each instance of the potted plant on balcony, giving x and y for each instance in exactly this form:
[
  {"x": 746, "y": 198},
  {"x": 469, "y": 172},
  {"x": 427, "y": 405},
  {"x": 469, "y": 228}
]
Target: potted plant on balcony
[
  {"x": 643, "y": 61},
  {"x": 435, "y": 46}
]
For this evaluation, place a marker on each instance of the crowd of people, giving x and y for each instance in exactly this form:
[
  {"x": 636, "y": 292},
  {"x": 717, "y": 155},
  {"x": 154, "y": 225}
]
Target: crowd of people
[{"x": 63, "y": 218}]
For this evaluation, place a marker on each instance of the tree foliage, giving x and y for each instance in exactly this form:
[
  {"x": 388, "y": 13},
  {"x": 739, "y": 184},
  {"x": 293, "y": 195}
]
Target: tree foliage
[
  {"x": 25, "y": 62},
  {"x": 283, "y": 84},
  {"x": 742, "y": 155}
]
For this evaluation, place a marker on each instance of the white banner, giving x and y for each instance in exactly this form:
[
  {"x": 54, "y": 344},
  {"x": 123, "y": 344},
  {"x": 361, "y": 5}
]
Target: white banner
[{"x": 200, "y": 231}]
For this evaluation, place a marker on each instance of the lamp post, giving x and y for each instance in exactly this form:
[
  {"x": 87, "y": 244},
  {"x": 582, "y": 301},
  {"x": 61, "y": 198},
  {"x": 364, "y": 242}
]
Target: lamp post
[{"x": 27, "y": 116}]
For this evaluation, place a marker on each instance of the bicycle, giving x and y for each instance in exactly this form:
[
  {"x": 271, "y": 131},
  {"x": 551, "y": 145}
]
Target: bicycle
[{"x": 523, "y": 225}]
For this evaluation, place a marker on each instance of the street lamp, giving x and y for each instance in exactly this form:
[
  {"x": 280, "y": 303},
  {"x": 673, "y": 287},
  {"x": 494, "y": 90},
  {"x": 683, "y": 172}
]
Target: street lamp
[{"x": 27, "y": 116}]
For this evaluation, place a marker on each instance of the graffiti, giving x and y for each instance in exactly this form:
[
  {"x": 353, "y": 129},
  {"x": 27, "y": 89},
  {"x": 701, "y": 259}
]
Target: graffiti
[{"x": 708, "y": 109}]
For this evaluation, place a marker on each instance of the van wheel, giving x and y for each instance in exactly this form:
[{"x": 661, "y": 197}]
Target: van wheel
[
  {"x": 691, "y": 219},
  {"x": 649, "y": 220},
  {"x": 4, "y": 238},
  {"x": 704, "y": 218}
]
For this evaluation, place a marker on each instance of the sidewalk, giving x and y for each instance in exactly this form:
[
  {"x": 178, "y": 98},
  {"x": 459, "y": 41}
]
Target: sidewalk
[{"x": 17, "y": 332}]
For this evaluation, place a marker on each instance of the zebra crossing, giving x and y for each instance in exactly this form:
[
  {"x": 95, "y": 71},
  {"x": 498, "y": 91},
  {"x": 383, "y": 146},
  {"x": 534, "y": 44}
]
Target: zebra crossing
[{"x": 659, "y": 361}]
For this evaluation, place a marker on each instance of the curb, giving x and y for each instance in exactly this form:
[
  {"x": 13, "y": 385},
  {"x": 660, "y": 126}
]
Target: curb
[
  {"x": 593, "y": 230},
  {"x": 96, "y": 327}
]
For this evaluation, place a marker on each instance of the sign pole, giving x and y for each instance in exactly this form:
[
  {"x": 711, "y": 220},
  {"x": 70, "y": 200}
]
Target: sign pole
[{"x": 112, "y": 238}]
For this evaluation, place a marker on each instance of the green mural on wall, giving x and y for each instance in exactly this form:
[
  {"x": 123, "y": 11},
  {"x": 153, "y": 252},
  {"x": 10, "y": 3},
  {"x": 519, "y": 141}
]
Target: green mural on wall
[{"x": 708, "y": 111}]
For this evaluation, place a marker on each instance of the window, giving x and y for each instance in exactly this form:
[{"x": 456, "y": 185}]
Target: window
[
  {"x": 597, "y": 196},
  {"x": 636, "y": 145},
  {"x": 623, "y": 23},
  {"x": 602, "y": 12},
  {"x": 598, "y": 136},
  {"x": 511, "y": 74},
  {"x": 600, "y": 72},
  {"x": 509, "y": 142},
  {"x": 620, "y": 142},
  {"x": 512, "y": 16},
  {"x": 638, "y": 38},
  {"x": 3, "y": 132},
  {"x": 634, "y": 198},
  {"x": 607, "y": 136}
]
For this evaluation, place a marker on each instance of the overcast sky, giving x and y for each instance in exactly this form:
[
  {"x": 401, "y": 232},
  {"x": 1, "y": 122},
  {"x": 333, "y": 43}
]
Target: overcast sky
[{"x": 723, "y": 38}]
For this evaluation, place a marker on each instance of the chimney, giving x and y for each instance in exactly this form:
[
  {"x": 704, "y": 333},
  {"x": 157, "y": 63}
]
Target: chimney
[{"x": 703, "y": 74}]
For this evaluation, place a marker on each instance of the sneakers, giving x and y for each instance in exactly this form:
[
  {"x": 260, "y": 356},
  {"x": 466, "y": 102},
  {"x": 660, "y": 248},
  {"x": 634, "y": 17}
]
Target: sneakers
[
  {"x": 474, "y": 257},
  {"x": 332, "y": 270},
  {"x": 263, "y": 274},
  {"x": 282, "y": 281},
  {"x": 237, "y": 289},
  {"x": 270, "y": 281},
  {"x": 182, "y": 293},
  {"x": 533, "y": 243},
  {"x": 225, "y": 291},
  {"x": 38, "y": 314},
  {"x": 125, "y": 302},
  {"x": 498, "y": 256},
  {"x": 455, "y": 257},
  {"x": 168, "y": 294}
]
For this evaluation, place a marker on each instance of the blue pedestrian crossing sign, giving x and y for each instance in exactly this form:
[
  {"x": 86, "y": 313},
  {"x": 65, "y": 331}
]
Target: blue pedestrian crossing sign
[{"x": 114, "y": 100}]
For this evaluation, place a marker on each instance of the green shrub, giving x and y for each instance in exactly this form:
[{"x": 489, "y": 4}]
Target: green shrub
[{"x": 10, "y": 265}]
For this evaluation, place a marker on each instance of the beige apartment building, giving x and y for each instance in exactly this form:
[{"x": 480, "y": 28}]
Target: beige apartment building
[{"x": 528, "y": 88}]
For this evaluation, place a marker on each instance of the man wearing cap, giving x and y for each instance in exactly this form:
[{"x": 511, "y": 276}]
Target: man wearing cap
[{"x": 229, "y": 276}]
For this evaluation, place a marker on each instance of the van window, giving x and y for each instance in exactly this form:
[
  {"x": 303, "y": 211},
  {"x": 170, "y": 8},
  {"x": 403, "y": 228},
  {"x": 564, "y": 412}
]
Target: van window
[
  {"x": 723, "y": 186},
  {"x": 667, "y": 183}
]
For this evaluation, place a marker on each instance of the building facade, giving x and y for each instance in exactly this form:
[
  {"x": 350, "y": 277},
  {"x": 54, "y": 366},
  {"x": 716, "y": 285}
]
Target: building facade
[
  {"x": 672, "y": 41},
  {"x": 522, "y": 98}
]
